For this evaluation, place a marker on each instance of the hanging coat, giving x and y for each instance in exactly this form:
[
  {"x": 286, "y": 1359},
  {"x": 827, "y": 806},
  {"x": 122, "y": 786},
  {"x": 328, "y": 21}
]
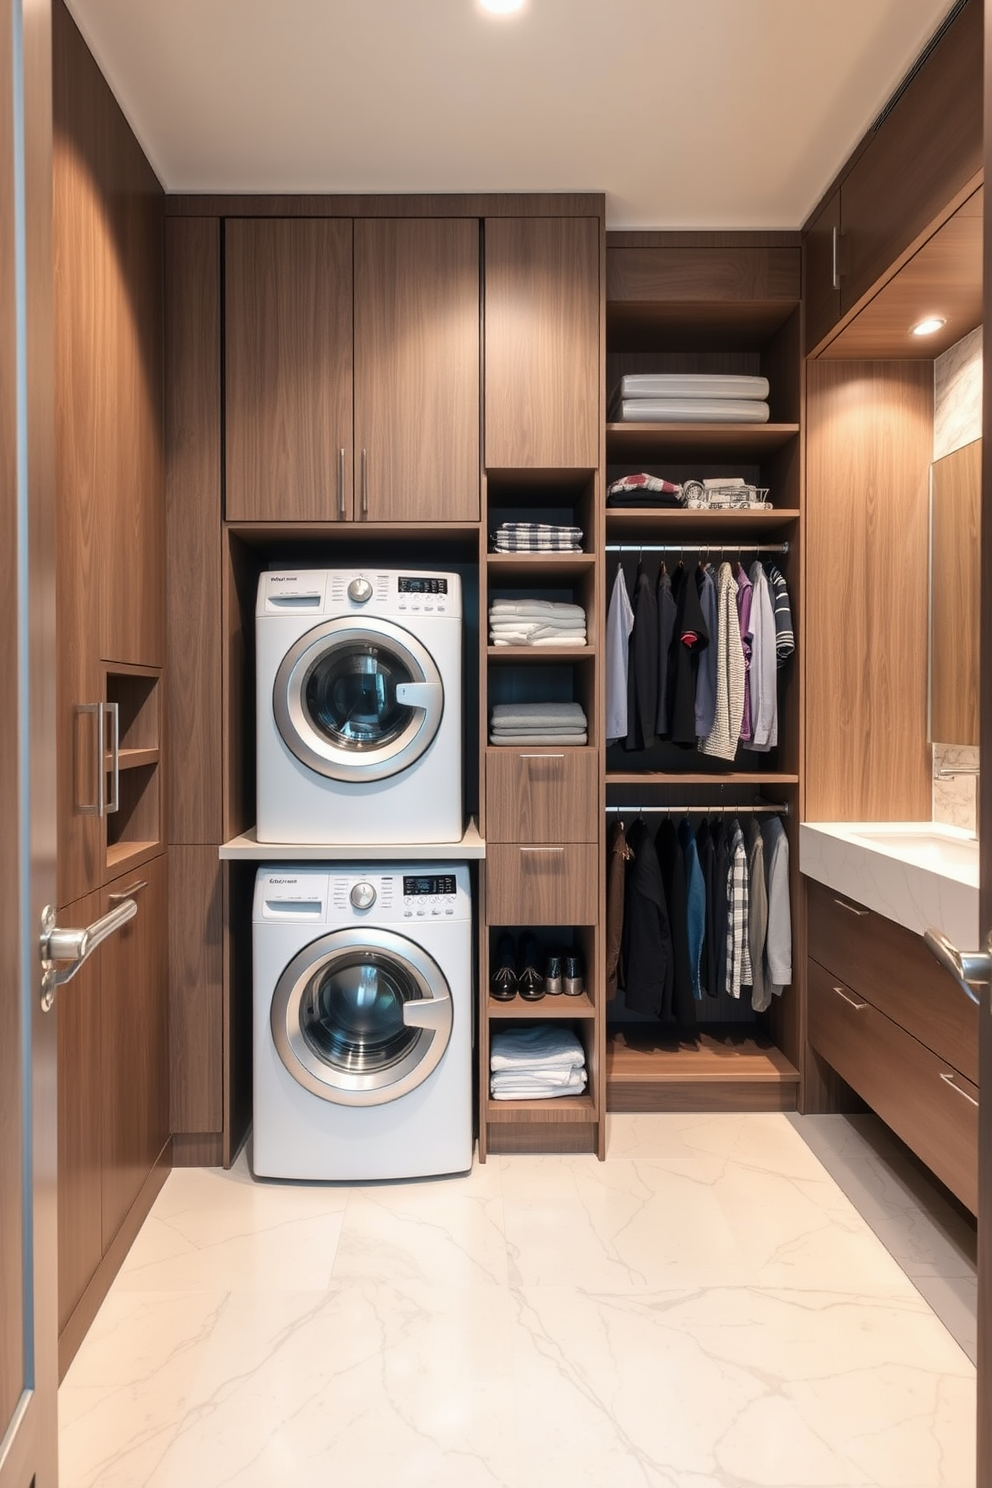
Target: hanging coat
[
  {"x": 677, "y": 898},
  {"x": 642, "y": 673},
  {"x": 647, "y": 935}
]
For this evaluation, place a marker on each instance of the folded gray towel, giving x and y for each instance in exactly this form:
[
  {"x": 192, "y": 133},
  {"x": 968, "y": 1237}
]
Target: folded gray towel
[
  {"x": 559, "y": 738},
  {"x": 532, "y": 714}
]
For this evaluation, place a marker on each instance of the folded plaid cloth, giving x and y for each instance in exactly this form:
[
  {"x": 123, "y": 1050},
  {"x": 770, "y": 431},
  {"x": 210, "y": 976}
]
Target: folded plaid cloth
[
  {"x": 539, "y": 527},
  {"x": 536, "y": 545}
]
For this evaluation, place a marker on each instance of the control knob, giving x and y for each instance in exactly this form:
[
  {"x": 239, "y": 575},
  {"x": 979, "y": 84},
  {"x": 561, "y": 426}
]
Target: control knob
[
  {"x": 363, "y": 896},
  {"x": 360, "y": 590}
]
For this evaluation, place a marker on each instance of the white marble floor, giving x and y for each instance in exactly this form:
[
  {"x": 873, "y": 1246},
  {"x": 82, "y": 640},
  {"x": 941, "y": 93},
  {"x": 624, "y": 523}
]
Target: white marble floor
[{"x": 706, "y": 1309}]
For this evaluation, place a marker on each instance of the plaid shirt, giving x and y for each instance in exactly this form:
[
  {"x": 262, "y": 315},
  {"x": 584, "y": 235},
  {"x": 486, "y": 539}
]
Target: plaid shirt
[{"x": 739, "y": 972}]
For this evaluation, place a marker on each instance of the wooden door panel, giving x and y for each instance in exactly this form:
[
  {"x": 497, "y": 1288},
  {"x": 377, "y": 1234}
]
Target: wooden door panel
[
  {"x": 542, "y": 309},
  {"x": 528, "y": 885},
  {"x": 134, "y": 1044},
  {"x": 288, "y": 368},
  {"x": 821, "y": 272},
  {"x": 417, "y": 370},
  {"x": 542, "y": 795}
]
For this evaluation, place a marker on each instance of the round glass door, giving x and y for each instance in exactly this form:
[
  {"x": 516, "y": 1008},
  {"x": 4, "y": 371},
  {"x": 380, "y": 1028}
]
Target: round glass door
[
  {"x": 361, "y": 1017},
  {"x": 358, "y": 700}
]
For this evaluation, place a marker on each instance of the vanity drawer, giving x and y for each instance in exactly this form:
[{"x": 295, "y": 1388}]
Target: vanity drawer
[
  {"x": 891, "y": 968},
  {"x": 541, "y": 795},
  {"x": 530, "y": 885},
  {"x": 924, "y": 1099}
]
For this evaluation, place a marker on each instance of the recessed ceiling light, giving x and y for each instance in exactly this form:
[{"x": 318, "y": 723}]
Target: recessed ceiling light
[
  {"x": 929, "y": 326},
  {"x": 501, "y": 7}
]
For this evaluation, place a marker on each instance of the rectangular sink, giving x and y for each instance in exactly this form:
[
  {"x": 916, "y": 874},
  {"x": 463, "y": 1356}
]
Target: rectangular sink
[{"x": 930, "y": 848}]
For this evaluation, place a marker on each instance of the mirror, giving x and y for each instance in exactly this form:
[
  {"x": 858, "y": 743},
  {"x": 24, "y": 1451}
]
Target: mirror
[{"x": 955, "y": 529}]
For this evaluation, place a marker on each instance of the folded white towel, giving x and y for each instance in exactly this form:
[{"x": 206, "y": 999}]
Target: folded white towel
[
  {"x": 692, "y": 411},
  {"x": 691, "y": 385},
  {"x": 563, "y": 640},
  {"x": 560, "y": 731},
  {"x": 539, "y": 1092},
  {"x": 533, "y": 1045},
  {"x": 535, "y": 606},
  {"x": 547, "y": 1074},
  {"x": 501, "y": 621}
]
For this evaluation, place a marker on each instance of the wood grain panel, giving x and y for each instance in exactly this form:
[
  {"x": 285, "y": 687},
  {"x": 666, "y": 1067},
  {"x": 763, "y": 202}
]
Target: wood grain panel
[
  {"x": 893, "y": 969},
  {"x": 928, "y": 148},
  {"x": 702, "y": 275},
  {"x": 193, "y": 529},
  {"x": 542, "y": 330},
  {"x": 541, "y": 885},
  {"x": 869, "y": 441},
  {"x": 821, "y": 272},
  {"x": 288, "y": 369},
  {"x": 457, "y": 204},
  {"x": 417, "y": 369},
  {"x": 196, "y": 990},
  {"x": 647, "y": 1072},
  {"x": 81, "y": 1087},
  {"x": 541, "y": 795},
  {"x": 902, "y": 1081},
  {"x": 134, "y": 1044},
  {"x": 955, "y": 595}
]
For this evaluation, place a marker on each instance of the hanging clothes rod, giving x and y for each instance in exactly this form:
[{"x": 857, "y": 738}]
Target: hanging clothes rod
[
  {"x": 697, "y": 547},
  {"x": 701, "y": 808}
]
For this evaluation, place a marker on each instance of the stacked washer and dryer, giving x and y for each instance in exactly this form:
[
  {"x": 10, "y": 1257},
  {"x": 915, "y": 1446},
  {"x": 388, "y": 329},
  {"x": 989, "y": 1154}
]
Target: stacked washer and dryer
[{"x": 363, "y": 996}]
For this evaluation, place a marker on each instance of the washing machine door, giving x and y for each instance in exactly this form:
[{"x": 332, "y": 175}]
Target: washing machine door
[
  {"x": 361, "y": 1016},
  {"x": 358, "y": 699}
]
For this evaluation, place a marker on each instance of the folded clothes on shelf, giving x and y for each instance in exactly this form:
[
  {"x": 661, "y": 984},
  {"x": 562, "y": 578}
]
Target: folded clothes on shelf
[
  {"x": 691, "y": 385},
  {"x": 536, "y": 1062},
  {"x": 692, "y": 411},
  {"x": 690, "y": 398},
  {"x": 538, "y": 723},
  {"x": 643, "y": 490},
  {"x": 536, "y": 537},
  {"x": 536, "y": 622}
]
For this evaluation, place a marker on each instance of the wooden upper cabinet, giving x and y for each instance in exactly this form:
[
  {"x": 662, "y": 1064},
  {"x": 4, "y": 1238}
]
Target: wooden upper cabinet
[
  {"x": 288, "y": 349},
  {"x": 417, "y": 370},
  {"x": 543, "y": 365},
  {"x": 821, "y": 272}
]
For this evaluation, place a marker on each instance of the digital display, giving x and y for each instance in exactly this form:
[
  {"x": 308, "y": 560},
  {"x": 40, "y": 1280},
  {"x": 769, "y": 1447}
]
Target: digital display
[
  {"x": 423, "y": 585},
  {"x": 436, "y": 883}
]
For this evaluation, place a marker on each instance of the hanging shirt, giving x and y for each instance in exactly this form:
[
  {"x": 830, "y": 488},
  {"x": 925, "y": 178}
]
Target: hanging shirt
[
  {"x": 785, "y": 641},
  {"x": 764, "y": 682},
  {"x": 676, "y": 897},
  {"x": 666, "y": 629},
  {"x": 706, "y": 674},
  {"x": 642, "y": 670},
  {"x": 691, "y": 637},
  {"x": 619, "y": 624},
  {"x": 738, "y": 951},
  {"x": 695, "y": 904},
  {"x": 619, "y": 856},
  {"x": 707, "y": 862},
  {"x": 778, "y": 939},
  {"x": 744, "y": 598},
  {"x": 723, "y": 738},
  {"x": 647, "y": 935},
  {"x": 757, "y": 923}
]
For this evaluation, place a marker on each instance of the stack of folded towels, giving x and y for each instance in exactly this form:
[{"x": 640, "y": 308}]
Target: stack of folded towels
[
  {"x": 536, "y": 1062},
  {"x": 691, "y": 398},
  {"x": 538, "y": 723},
  {"x": 536, "y": 622},
  {"x": 536, "y": 537}
]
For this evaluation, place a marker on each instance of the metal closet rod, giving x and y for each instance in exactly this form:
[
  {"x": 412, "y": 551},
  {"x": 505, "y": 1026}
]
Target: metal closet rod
[
  {"x": 697, "y": 547},
  {"x": 700, "y": 808}
]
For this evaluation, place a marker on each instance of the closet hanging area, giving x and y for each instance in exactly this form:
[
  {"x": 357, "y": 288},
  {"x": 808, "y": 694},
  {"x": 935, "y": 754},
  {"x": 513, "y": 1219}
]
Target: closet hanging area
[{"x": 701, "y": 738}]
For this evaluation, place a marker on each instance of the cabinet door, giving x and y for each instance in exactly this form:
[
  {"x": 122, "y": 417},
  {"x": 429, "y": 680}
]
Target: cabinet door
[
  {"x": 543, "y": 795},
  {"x": 543, "y": 373},
  {"x": 80, "y": 1083},
  {"x": 134, "y": 1043},
  {"x": 417, "y": 370},
  {"x": 821, "y": 273},
  {"x": 554, "y": 885},
  {"x": 288, "y": 350}
]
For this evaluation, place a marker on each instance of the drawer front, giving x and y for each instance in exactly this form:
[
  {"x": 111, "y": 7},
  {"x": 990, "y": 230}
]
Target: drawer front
[
  {"x": 541, "y": 795},
  {"x": 928, "y": 1103},
  {"x": 528, "y": 885},
  {"x": 892, "y": 968}
]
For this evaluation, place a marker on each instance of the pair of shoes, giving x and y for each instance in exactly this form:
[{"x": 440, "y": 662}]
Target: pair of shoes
[
  {"x": 513, "y": 973},
  {"x": 573, "y": 981},
  {"x": 530, "y": 982}
]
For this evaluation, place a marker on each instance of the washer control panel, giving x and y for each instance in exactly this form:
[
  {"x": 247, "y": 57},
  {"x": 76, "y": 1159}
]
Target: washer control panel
[
  {"x": 429, "y": 896},
  {"x": 363, "y": 895}
]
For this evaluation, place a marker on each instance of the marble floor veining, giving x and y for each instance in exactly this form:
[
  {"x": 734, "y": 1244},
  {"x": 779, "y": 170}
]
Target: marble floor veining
[{"x": 706, "y": 1309}]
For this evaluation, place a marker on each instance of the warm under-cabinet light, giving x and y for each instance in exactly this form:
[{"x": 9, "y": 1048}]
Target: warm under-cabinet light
[
  {"x": 928, "y": 326},
  {"x": 501, "y": 7}
]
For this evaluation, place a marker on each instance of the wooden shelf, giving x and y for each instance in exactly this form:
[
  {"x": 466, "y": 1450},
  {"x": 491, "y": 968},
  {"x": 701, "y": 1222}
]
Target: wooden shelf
[
  {"x": 121, "y": 855},
  {"x": 626, "y": 442},
  {"x": 683, "y": 524},
  {"x": 698, "y": 777},
  {"x": 544, "y": 1008},
  {"x": 247, "y": 848},
  {"x": 540, "y": 654},
  {"x": 725, "y": 1069},
  {"x": 556, "y": 1111},
  {"x": 132, "y": 759},
  {"x": 528, "y": 565}
]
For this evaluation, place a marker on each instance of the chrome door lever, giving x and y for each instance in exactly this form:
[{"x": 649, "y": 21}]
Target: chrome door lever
[
  {"x": 73, "y": 946},
  {"x": 970, "y": 970}
]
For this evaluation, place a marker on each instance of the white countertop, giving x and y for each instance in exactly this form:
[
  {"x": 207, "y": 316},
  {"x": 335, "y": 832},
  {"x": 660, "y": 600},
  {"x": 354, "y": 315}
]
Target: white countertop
[
  {"x": 247, "y": 848},
  {"x": 919, "y": 874}
]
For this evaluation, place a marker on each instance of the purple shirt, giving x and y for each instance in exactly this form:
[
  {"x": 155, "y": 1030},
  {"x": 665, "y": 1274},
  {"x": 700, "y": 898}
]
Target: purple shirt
[{"x": 744, "y": 596}]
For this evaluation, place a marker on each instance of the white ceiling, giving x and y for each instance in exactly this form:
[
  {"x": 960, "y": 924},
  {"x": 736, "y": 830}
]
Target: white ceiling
[{"x": 687, "y": 113}]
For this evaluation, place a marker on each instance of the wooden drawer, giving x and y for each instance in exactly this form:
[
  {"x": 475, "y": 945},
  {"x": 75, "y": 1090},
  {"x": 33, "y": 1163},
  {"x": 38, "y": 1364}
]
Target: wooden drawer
[
  {"x": 891, "y": 968},
  {"x": 528, "y": 885},
  {"x": 543, "y": 795},
  {"x": 931, "y": 1106}
]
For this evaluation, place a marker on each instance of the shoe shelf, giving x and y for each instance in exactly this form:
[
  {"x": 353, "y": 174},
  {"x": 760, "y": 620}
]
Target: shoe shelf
[
  {"x": 530, "y": 567},
  {"x": 558, "y": 1111},
  {"x": 545, "y": 1007}
]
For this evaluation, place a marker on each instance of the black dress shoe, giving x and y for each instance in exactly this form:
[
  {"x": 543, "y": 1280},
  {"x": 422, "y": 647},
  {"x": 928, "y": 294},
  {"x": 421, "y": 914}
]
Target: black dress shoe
[
  {"x": 503, "y": 977},
  {"x": 530, "y": 982},
  {"x": 573, "y": 982},
  {"x": 552, "y": 975}
]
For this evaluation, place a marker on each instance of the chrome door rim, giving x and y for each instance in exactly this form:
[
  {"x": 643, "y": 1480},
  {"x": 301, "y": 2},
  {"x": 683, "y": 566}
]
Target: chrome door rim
[
  {"x": 345, "y": 1087},
  {"x": 318, "y": 753}
]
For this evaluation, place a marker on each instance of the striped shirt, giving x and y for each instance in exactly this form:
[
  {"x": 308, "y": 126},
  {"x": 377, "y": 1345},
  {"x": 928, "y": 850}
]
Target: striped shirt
[
  {"x": 739, "y": 971},
  {"x": 785, "y": 640}
]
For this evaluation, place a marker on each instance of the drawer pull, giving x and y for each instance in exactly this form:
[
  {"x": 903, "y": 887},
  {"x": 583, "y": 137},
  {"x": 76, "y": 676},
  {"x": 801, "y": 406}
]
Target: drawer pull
[
  {"x": 542, "y": 756},
  {"x": 949, "y": 1080},
  {"x": 542, "y": 849},
  {"x": 852, "y": 908},
  {"x": 129, "y": 892},
  {"x": 858, "y": 1007}
]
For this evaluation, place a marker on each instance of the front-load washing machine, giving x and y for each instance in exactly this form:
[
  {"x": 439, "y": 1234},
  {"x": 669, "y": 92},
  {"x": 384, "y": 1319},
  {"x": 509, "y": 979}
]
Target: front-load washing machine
[
  {"x": 362, "y": 1028},
  {"x": 358, "y": 707}
]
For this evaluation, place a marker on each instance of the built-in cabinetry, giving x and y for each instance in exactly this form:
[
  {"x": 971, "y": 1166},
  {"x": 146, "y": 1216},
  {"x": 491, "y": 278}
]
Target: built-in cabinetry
[
  {"x": 108, "y": 222},
  {"x": 895, "y": 1026}
]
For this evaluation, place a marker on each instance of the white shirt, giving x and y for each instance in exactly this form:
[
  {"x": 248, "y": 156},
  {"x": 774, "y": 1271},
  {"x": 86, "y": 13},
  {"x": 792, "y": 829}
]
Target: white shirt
[{"x": 619, "y": 624}]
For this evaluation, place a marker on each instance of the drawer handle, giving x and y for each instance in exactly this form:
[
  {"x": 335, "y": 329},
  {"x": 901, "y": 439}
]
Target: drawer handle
[
  {"x": 542, "y": 756},
  {"x": 858, "y": 1007},
  {"x": 542, "y": 849},
  {"x": 129, "y": 892},
  {"x": 949, "y": 1080},
  {"x": 852, "y": 908}
]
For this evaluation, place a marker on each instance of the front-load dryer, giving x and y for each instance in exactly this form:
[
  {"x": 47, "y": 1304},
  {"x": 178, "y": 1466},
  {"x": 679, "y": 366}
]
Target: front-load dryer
[
  {"x": 358, "y": 707},
  {"x": 362, "y": 1028}
]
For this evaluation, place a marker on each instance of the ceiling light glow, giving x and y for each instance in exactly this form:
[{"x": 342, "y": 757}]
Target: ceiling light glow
[
  {"x": 928, "y": 326},
  {"x": 501, "y": 7}
]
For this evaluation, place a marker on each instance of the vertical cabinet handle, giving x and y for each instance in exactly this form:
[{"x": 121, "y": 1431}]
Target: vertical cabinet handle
[
  {"x": 365, "y": 483},
  {"x": 341, "y": 458},
  {"x": 113, "y": 711},
  {"x": 835, "y": 276},
  {"x": 98, "y": 806}
]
